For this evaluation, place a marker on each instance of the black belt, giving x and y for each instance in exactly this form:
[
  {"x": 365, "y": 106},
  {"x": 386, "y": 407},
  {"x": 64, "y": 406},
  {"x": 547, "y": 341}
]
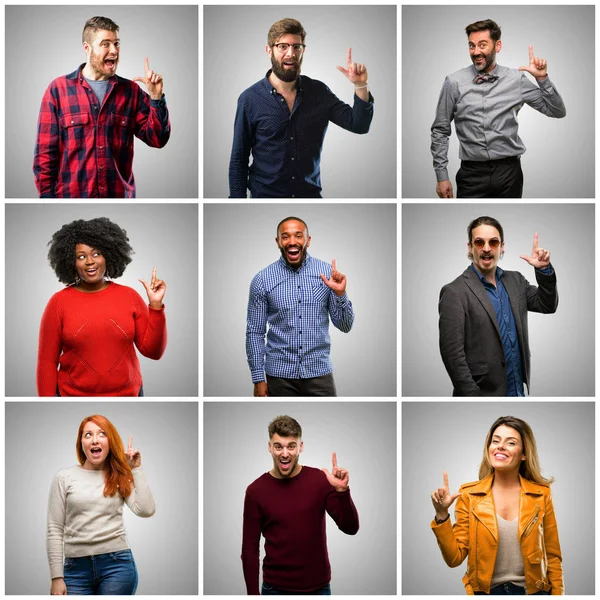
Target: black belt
[{"x": 509, "y": 160}]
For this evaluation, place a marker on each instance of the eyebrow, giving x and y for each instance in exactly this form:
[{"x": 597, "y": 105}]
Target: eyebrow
[
  {"x": 508, "y": 438},
  {"x": 107, "y": 40}
]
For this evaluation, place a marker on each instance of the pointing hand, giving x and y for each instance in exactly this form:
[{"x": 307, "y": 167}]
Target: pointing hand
[
  {"x": 156, "y": 290},
  {"x": 153, "y": 81},
  {"x": 537, "y": 66},
  {"x": 540, "y": 258},
  {"x": 337, "y": 283},
  {"x": 134, "y": 457},
  {"x": 442, "y": 498},
  {"x": 338, "y": 478},
  {"x": 355, "y": 72}
]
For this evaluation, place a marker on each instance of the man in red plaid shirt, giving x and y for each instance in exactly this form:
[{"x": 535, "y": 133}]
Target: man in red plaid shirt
[{"x": 87, "y": 121}]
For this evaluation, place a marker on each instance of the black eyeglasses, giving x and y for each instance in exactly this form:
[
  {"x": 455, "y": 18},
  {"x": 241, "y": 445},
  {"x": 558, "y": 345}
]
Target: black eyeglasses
[
  {"x": 479, "y": 243},
  {"x": 283, "y": 48}
]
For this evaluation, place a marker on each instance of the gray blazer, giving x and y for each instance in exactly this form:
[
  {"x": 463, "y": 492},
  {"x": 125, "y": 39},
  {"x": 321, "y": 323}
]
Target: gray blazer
[{"x": 470, "y": 341}]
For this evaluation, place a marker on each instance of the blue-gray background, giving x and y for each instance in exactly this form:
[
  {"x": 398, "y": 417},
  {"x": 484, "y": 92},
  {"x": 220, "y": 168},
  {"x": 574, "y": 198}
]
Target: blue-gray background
[
  {"x": 434, "y": 253},
  {"x": 40, "y": 440},
  {"x": 239, "y": 241},
  {"x": 363, "y": 434},
  {"x": 44, "y": 42},
  {"x": 450, "y": 436},
  {"x": 352, "y": 166},
  {"x": 559, "y": 162},
  {"x": 162, "y": 235}
]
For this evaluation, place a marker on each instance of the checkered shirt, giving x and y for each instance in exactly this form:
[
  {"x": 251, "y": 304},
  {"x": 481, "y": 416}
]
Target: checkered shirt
[
  {"x": 84, "y": 150},
  {"x": 297, "y": 305}
]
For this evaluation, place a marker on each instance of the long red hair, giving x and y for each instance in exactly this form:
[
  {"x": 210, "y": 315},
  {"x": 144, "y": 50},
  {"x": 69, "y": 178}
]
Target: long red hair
[{"x": 118, "y": 474}]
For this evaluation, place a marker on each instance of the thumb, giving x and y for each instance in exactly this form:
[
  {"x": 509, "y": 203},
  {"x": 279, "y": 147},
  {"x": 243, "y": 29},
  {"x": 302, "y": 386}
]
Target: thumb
[
  {"x": 325, "y": 280},
  {"x": 326, "y": 472},
  {"x": 523, "y": 69},
  {"x": 342, "y": 70},
  {"x": 455, "y": 496},
  {"x": 145, "y": 285},
  {"x": 142, "y": 79},
  {"x": 525, "y": 257}
]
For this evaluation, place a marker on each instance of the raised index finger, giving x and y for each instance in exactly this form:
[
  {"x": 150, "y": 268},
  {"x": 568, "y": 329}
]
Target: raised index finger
[
  {"x": 333, "y": 265},
  {"x": 334, "y": 460},
  {"x": 446, "y": 485},
  {"x": 349, "y": 55},
  {"x": 154, "y": 276},
  {"x": 530, "y": 52},
  {"x": 130, "y": 442},
  {"x": 535, "y": 241},
  {"x": 147, "y": 66}
]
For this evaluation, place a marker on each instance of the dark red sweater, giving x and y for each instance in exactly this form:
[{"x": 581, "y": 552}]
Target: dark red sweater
[
  {"x": 91, "y": 337},
  {"x": 290, "y": 514}
]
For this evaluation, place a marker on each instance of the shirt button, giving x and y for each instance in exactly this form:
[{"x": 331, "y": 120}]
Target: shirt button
[
  {"x": 101, "y": 147},
  {"x": 293, "y": 177},
  {"x": 282, "y": 99},
  {"x": 293, "y": 196},
  {"x": 300, "y": 347},
  {"x": 122, "y": 122},
  {"x": 293, "y": 158},
  {"x": 300, "y": 333},
  {"x": 292, "y": 138},
  {"x": 299, "y": 316},
  {"x": 101, "y": 189},
  {"x": 72, "y": 122},
  {"x": 101, "y": 167}
]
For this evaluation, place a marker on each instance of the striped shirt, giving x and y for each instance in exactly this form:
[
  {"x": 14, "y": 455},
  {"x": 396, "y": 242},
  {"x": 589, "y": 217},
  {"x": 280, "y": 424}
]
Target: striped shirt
[{"x": 297, "y": 305}]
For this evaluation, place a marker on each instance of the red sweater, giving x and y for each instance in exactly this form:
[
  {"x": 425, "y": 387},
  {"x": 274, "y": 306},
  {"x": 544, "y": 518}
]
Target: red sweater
[
  {"x": 91, "y": 337},
  {"x": 290, "y": 514}
]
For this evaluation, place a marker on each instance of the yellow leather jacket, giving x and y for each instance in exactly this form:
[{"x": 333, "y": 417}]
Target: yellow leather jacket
[{"x": 475, "y": 534}]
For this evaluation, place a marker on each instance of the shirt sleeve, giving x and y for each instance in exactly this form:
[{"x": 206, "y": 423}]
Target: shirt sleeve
[
  {"x": 543, "y": 97},
  {"x": 251, "y": 531},
  {"x": 49, "y": 350},
  {"x": 441, "y": 130},
  {"x": 454, "y": 541},
  {"x": 552, "y": 545},
  {"x": 141, "y": 500},
  {"x": 240, "y": 151},
  {"x": 57, "y": 510},
  {"x": 46, "y": 154},
  {"x": 256, "y": 329},
  {"x": 152, "y": 124},
  {"x": 542, "y": 298},
  {"x": 150, "y": 328},
  {"x": 340, "y": 309},
  {"x": 356, "y": 118},
  {"x": 341, "y": 509}
]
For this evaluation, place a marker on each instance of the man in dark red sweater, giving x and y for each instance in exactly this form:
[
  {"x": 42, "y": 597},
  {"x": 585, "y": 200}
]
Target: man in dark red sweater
[{"x": 287, "y": 506}]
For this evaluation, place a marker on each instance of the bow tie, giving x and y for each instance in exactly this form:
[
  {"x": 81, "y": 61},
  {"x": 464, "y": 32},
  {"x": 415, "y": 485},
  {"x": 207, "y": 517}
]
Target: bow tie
[{"x": 485, "y": 77}]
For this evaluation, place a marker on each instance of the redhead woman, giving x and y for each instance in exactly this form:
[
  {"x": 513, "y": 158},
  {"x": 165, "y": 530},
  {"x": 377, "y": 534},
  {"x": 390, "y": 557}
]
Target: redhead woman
[
  {"x": 90, "y": 328},
  {"x": 505, "y": 522},
  {"x": 85, "y": 514}
]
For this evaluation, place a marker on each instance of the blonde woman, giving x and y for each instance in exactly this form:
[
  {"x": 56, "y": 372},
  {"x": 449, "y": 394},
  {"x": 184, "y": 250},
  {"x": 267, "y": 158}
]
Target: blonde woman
[{"x": 505, "y": 522}]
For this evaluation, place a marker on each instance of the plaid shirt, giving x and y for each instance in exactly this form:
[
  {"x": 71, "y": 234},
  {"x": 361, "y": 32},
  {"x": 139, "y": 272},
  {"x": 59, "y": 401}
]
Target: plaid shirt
[
  {"x": 84, "y": 150},
  {"x": 296, "y": 304}
]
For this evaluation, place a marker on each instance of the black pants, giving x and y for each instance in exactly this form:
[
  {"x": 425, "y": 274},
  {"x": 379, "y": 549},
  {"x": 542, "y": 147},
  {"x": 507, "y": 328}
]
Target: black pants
[
  {"x": 314, "y": 386},
  {"x": 501, "y": 178}
]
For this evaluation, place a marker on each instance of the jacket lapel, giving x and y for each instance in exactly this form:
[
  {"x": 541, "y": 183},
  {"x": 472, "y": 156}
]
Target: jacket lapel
[
  {"x": 483, "y": 504},
  {"x": 475, "y": 285}
]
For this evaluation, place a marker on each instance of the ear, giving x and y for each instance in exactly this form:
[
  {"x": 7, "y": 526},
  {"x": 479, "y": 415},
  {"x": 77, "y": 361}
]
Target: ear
[
  {"x": 268, "y": 50},
  {"x": 277, "y": 241},
  {"x": 269, "y": 447},
  {"x": 301, "y": 446},
  {"x": 498, "y": 45},
  {"x": 308, "y": 242},
  {"x": 86, "y": 47}
]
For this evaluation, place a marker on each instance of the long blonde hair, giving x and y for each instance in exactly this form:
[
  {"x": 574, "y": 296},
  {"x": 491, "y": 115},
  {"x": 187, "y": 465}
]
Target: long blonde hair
[{"x": 530, "y": 467}]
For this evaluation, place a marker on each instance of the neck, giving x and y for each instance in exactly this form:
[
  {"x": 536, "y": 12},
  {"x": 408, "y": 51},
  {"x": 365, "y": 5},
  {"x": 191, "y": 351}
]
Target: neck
[
  {"x": 88, "y": 466},
  {"x": 490, "y": 276},
  {"x": 82, "y": 286},
  {"x": 490, "y": 68},
  {"x": 283, "y": 87},
  {"x": 89, "y": 73},
  {"x": 275, "y": 473},
  {"x": 506, "y": 479}
]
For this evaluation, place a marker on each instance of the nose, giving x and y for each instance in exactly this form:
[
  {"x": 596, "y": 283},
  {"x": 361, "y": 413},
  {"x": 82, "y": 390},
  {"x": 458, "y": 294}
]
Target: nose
[
  {"x": 89, "y": 260},
  {"x": 290, "y": 52},
  {"x": 285, "y": 452}
]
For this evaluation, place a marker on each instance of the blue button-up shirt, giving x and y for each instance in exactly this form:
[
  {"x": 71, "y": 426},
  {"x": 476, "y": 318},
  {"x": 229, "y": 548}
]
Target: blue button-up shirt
[
  {"x": 297, "y": 305},
  {"x": 286, "y": 146},
  {"x": 508, "y": 332}
]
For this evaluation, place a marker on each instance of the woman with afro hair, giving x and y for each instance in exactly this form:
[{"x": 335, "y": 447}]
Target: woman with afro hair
[{"x": 89, "y": 329}]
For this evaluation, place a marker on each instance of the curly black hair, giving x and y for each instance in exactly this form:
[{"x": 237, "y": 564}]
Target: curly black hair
[{"x": 100, "y": 233}]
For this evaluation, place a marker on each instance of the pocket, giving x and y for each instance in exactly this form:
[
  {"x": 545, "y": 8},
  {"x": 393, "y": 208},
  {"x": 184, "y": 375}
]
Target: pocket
[
  {"x": 319, "y": 293},
  {"x": 74, "y": 126},
  {"x": 120, "y": 131},
  {"x": 122, "y": 556},
  {"x": 478, "y": 369},
  {"x": 69, "y": 562}
]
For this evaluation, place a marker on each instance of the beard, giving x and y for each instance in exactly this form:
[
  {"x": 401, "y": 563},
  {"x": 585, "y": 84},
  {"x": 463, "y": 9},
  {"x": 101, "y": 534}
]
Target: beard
[
  {"x": 297, "y": 265},
  {"x": 287, "y": 75},
  {"x": 98, "y": 66},
  {"x": 490, "y": 59}
]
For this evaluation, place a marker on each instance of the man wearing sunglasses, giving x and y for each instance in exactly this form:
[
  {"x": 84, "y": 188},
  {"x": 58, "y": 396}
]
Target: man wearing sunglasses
[
  {"x": 484, "y": 338},
  {"x": 282, "y": 120},
  {"x": 484, "y": 100}
]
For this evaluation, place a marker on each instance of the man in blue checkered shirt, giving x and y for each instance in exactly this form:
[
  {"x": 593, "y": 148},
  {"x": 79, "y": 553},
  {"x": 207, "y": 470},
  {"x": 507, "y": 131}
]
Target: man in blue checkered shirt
[{"x": 295, "y": 295}]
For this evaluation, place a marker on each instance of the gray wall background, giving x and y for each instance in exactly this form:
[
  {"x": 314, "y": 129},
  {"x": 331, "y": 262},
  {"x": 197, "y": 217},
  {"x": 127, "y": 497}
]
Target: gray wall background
[
  {"x": 364, "y": 436},
  {"x": 450, "y": 435},
  {"x": 239, "y": 241},
  {"x": 352, "y": 166},
  {"x": 165, "y": 546},
  {"x": 559, "y": 162},
  {"x": 162, "y": 235},
  {"x": 44, "y": 42},
  {"x": 434, "y": 253}
]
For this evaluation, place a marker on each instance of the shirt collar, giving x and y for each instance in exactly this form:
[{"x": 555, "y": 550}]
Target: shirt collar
[
  {"x": 79, "y": 75},
  {"x": 304, "y": 263},
  {"x": 499, "y": 273},
  {"x": 272, "y": 90}
]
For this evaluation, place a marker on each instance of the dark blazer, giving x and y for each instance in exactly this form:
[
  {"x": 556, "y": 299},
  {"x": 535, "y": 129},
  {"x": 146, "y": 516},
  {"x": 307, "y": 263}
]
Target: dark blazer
[{"x": 470, "y": 341}]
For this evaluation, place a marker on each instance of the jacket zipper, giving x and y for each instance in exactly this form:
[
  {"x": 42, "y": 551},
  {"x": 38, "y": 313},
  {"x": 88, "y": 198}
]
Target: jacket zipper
[{"x": 531, "y": 523}]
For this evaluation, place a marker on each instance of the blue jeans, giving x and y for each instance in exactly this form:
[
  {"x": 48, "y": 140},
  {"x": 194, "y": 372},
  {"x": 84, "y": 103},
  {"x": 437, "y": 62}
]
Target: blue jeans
[
  {"x": 269, "y": 590},
  {"x": 509, "y": 589},
  {"x": 112, "y": 574}
]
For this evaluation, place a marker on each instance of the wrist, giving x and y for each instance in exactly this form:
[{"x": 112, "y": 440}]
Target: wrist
[
  {"x": 362, "y": 86},
  {"x": 156, "y": 96},
  {"x": 156, "y": 305},
  {"x": 441, "y": 516},
  {"x": 541, "y": 78}
]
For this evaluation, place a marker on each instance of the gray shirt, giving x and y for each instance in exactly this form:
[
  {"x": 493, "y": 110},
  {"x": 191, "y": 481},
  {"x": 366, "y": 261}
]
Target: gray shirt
[{"x": 485, "y": 115}]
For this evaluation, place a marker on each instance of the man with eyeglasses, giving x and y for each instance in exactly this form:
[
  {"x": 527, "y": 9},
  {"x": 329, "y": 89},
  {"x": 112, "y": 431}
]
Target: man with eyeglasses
[
  {"x": 484, "y": 100},
  {"x": 484, "y": 339},
  {"x": 282, "y": 120}
]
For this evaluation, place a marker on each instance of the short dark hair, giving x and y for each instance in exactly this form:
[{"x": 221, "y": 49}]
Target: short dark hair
[
  {"x": 100, "y": 233},
  {"x": 484, "y": 221},
  {"x": 96, "y": 24},
  {"x": 284, "y": 26},
  {"x": 291, "y": 219},
  {"x": 487, "y": 25},
  {"x": 285, "y": 427}
]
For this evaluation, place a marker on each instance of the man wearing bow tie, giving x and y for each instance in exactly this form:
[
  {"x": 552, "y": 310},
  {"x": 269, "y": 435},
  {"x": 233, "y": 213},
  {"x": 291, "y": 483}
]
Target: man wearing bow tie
[{"x": 484, "y": 100}]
